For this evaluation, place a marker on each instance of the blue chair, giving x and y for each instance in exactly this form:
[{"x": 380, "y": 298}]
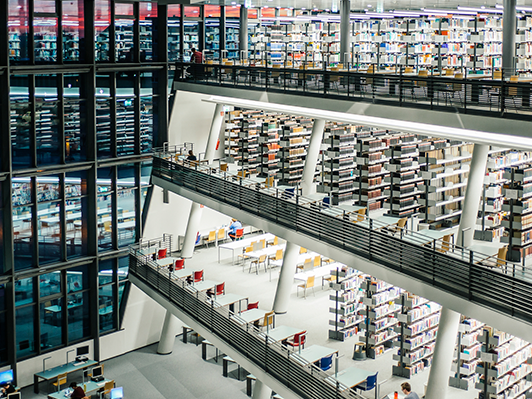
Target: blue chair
[
  {"x": 370, "y": 383},
  {"x": 198, "y": 238},
  {"x": 325, "y": 363},
  {"x": 326, "y": 202}
]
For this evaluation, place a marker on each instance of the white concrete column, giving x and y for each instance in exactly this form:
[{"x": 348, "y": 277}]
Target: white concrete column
[
  {"x": 286, "y": 278},
  {"x": 261, "y": 391},
  {"x": 473, "y": 194},
  {"x": 168, "y": 334},
  {"x": 442, "y": 359},
  {"x": 194, "y": 219},
  {"x": 214, "y": 135},
  {"x": 508, "y": 38},
  {"x": 345, "y": 32},
  {"x": 313, "y": 152}
]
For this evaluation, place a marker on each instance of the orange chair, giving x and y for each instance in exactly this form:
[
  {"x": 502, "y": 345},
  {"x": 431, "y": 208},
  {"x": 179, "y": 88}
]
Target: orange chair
[
  {"x": 179, "y": 264},
  {"x": 239, "y": 234},
  {"x": 161, "y": 254},
  {"x": 198, "y": 276}
]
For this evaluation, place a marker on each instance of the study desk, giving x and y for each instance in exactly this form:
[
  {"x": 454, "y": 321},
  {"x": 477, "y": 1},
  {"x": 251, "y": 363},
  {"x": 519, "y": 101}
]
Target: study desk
[
  {"x": 52, "y": 373},
  {"x": 382, "y": 221},
  {"x": 149, "y": 251},
  {"x": 280, "y": 333},
  {"x": 203, "y": 285},
  {"x": 312, "y": 354},
  {"x": 320, "y": 271},
  {"x": 243, "y": 243},
  {"x": 169, "y": 260},
  {"x": 271, "y": 250},
  {"x": 91, "y": 387},
  {"x": 230, "y": 299},
  {"x": 183, "y": 273},
  {"x": 351, "y": 377},
  {"x": 253, "y": 315},
  {"x": 425, "y": 237}
]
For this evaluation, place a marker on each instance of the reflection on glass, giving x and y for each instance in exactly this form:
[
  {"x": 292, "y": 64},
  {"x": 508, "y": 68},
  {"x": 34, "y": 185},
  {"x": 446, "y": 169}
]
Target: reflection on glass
[
  {"x": 73, "y": 184},
  {"x": 48, "y": 188},
  {"x": 23, "y": 291},
  {"x": 126, "y": 176},
  {"x": 2, "y": 297},
  {"x": 51, "y": 316},
  {"x": 21, "y": 120},
  {"x": 50, "y": 283},
  {"x": 145, "y": 173},
  {"x": 21, "y": 191},
  {"x": 18, "y": 25},
  {"x": 77, "y": 279},
  {"x": 212, "y": 39},
  {"x": 121, "y": 287},
  {"x": 191, "y": 39},
  {"x": 45, "y": 39},
  {"x": 72, "y": 31},
  {"x": 103, "y": 127},
  {"x": 45, "y": 6},
  {"x": 146, "y": 111},
  {"x": 124, "y": 39},
  {"x": 174, "y": 12},
  {"x": 126, "y": 217},
  {"x": 123, "y": 268},
  {"x": 105, "y": 307},
  {"x": 49, "y": 227},
  {"x": 105, "y": 271},
  {"x": 47, "y": 119},
  {"x": 102, "y": 22},
  {"x": 24, "y": 318},
  {"x": 232, "y": 28},
  {"x": 78, "y": 316},
  {"x": 125, "y": 126},
  {"x": 147, "y": 17},
  {"x": 22, "y": 237},
  {"x": 105, "y": 221},
  {"x": 74, "y": 224},
  {"x": 74, "y": 135},
  {"x": 124, "y": 9},
  {"x": 3, "y": 338}
]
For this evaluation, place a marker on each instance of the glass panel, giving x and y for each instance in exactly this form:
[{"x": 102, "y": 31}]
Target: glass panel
[
  {"x": 72, "y": 31},
  {"x": 126, "y": 217},
  {"x": 50, "y": 283},
  {"x": 124, "y": 9},
  {"x": 191, "y": 39},
  {"x": 105, "y": 222},
  {"x": 192, "y": 12},
  {"x": 146, "y": 111},
  {"x": 145, "y": 174},
  {"x": 21, "y": 191},
  {"x": 49, "y": 224},
  {"x": 77, "y": 278},
  {"x": 75, "y": 184},
  {"x": 74, "y": 135},
  {"x": 45, "y": 39},
  {"x": 78, "y": 316},
  {"x": 148, "y": 18},
  {"x": 47, "y": 6},
  {"x": 174, "y": 11},
  {"x": 24, "y": 291},
  {"x": 232, "y": 27},
  {"x": 18, "y": 25},
  {"x": 3, "y": 338},
  {"x": 232, "y": 12},
  {"x": 102, "y": 23},
  {"x": 212, "y": 11},
  {"x": 23, "y": 237},
  {"x": 105, "y": 271},
  {"x": 123, "y": 268},
  {"x": 47, "y": 120},
  {"x": 124, "y": 39},
  {"x": 126, "y": 176},
  {"x": 212, "y": 39},
  {"x": 21, "y": 119},
  {"x": 3, "y": 297},
  {"x": 51, "y": 316},
  {"x": 48, "y": 188},
  {"x": 121, "y": 287},
  {"x": 24, "y": 318},
  {"x": 74, "y": 222},
  {"x": 105, "y": 307},
  {"x": 253, "y": 13},
  {"x": 103, "y": 127},
  {"x": 125, "y": 122}
]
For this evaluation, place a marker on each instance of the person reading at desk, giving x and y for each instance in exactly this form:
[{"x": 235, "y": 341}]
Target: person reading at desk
[
  {"x": 233, "y": 227},
  {"x": 7, "y": 388},
  {"x": 78, "y": 392},
  {"x": 407, "y": 390}
]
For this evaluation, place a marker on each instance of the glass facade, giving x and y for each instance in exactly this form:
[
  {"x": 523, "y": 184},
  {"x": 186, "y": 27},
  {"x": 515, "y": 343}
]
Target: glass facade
[{"x": 80, "y": 132}]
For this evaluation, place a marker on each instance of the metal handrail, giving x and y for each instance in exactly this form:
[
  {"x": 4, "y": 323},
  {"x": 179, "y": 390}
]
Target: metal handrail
[
  {"x": 495, "y": 283},
  {"x": 489, "y": 96},
  {"x": 272, "y": 357}
]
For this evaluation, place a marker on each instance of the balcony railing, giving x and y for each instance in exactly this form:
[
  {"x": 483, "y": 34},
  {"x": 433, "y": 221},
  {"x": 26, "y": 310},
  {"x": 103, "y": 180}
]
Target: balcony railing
[
  {"x": 488, "y": 281},
  {"x": 470, "y": 92}
]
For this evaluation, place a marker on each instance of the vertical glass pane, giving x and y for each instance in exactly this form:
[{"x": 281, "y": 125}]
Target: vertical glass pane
[
  {"x": 105, "y": 271},
  {"x": 123, "y": 268},
  {"x": 78, "y": 316},
  {"x": 45, "y": 39},
  {"x": 77, "y": 279},
  {"x": 125, "y": 176},
  {"x": 126, "y": 217},
  {"x": 121, "y": 287},
  {"x": 145, "y": 174},
  {"x": 212, "y": 39},
  {"x": 105, "y": 307},
  {"x": 48, "y": 188},
  {"x": 49, "y": 225},
  {"x": 51, "y": 316},
  {"x": 23, "y": 237},
  {"x": 191, "y": 41},
  {"x": 124, "y": 9},
  {"x": 102, "y": 23},
  {"x": 50, "y": 283},
  {"x": 192, "y": 12},
  {"x": 24, "y": 318},
  {"x": 23, "y": 291},
  {"x": 105, "y": 220},
  {"x": 74, "y": 135},
  {"x": 232, "y": 28},
  {"x": 124, "y": 39},
  {"x": 18, "y": 25},
  {"x": 148, "y": 17},
  {"x": 21, "y": 120},
  {"x": 47, "y": 120},
  {"x": 3, "y": 338},
  {"x": 72, "y": 29},
  {"x": 2, "y": 297},
  {"x": 174, "y": 11},
  {"x": 103, "y": 127},
  {"x": 76, "y": 243},
  {"x": 21, "y": 191},
  {"x": 47, "y": 6},
  {"x": 146, "y": 123},
  {"x": 125, "y": 115}
]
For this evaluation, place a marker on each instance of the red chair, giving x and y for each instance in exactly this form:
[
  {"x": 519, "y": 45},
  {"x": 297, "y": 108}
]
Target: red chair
[
  {"x": 220, "y": 289},
  {"x": 298, "y": 340},
  {"x": 253, "y": 305},
  {"x": 239, "y": 234},
  {"x": 161, "y": 254},
  {"x": 198, "y": 276},
  {"x": 179, "y": 264}
]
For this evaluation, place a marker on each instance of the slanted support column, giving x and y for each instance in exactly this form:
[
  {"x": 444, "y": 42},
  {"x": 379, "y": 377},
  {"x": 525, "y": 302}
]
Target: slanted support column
[
  {"x": 261, "y": 391},
  {"x": 168, "y": 334},
  {"x": 214, "y": 134},
  {"x": 313, "y": 152},
  {"x": 286, "y": 278},
  {"x": 473, "y": 194},
  {"x": 243, "y": 33},
  {"x": 345, "y": 33},
  {"x": 442, "y": 359},
  {"x": 508, "y": 38}
]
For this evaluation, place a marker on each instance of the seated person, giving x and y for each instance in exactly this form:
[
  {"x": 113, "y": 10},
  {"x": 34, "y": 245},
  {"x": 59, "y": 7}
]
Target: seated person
[
  {"x": 7, "y": 388},
  {"x": 78, "y": 392},
  {"x": 191, "y": 156},
  {"x": 233, "y": 227}
]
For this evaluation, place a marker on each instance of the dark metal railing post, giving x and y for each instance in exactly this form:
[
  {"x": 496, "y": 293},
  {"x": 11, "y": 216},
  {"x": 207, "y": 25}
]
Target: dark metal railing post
[{"x": 470, "y": 285}]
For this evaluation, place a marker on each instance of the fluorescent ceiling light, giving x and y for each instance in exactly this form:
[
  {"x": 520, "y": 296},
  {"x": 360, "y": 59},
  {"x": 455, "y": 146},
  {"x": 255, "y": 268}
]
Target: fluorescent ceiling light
[
  {"x": 379, "y": 15},
  {"x": 499, "y": 6},
  {"x": 482, "y": 10},
  {"x": 400, "y": 13},
  {"x": 424, "y": 129},
  {"x": 521, "y": 8},
  {"x": 447, "y": 12}
]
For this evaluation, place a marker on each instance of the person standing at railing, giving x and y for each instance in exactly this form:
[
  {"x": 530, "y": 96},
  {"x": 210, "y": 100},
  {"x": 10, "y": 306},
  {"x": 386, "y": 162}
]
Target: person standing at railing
[{"x": 233, "y": 227}]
